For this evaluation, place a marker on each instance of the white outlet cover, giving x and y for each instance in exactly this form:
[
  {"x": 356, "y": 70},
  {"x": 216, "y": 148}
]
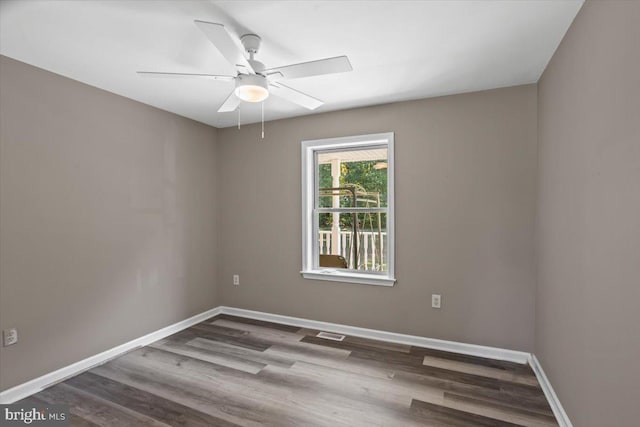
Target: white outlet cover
[
  {"x": 9, "y": 337},
  {"x": 436, "y": 300}
]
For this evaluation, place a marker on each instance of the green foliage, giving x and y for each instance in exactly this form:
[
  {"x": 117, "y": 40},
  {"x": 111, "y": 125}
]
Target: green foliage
[
  {"x": 366, "y": 178},
  {"x": 325, "y": 181},
  {"x": 364, "y": 175}
]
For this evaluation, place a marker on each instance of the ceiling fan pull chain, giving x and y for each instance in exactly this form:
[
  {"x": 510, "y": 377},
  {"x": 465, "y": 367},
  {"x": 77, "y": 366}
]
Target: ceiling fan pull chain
[
  {"x": 262, "y": 104},
  {"x": 238, "y": 117}
]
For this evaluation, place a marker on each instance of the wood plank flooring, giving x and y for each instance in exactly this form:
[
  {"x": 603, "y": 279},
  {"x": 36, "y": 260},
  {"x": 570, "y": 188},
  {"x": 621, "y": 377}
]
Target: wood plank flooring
[{"x": 231, "y": 371}]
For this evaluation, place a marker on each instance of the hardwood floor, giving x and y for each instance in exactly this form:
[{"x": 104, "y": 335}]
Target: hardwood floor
[{"x": 229, "y": 371}]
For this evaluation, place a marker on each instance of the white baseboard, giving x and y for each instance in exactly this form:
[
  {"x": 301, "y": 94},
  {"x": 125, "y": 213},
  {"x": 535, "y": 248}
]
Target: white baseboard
[
  {"x": 556, "y": 406},
  {"x": 30, "y": 387},
  {"x": 452, "y": 346}
]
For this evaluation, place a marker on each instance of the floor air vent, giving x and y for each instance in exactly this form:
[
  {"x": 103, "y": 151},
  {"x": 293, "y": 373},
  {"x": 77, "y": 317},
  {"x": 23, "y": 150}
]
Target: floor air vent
[{"x": 330, "y": 336}]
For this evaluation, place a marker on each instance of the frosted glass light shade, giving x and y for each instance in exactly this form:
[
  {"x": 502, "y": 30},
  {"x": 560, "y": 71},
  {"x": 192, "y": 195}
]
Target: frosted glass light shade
[{"x": 252, "y": 88}]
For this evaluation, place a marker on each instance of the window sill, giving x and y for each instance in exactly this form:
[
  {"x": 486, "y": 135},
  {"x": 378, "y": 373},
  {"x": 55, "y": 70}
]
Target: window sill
[{"x": 361, "y": 279}]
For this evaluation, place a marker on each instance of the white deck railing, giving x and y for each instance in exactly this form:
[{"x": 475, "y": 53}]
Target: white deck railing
[{"x": 370, "y": 248}]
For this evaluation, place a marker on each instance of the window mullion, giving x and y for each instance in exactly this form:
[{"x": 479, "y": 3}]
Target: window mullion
[{"x": 351, "y": 210}]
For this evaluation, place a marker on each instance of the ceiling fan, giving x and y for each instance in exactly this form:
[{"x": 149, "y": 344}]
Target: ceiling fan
[{"x": 254, "y": 82}]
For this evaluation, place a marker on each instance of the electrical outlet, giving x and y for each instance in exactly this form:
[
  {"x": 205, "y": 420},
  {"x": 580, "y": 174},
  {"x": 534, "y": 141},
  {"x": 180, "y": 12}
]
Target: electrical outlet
[
  {"x": 9, "y": 336},
  {"x": 436, "y": 300},
  {"x": 236, "y": 280}
]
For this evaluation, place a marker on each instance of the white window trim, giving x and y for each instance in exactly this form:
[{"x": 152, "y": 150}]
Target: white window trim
[{"x": 308, "y": 199}]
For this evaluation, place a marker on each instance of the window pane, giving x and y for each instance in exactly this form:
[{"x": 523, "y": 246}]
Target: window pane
[
  {"x": 352, "y": 178},
  {"x": 339, "y": 249}
]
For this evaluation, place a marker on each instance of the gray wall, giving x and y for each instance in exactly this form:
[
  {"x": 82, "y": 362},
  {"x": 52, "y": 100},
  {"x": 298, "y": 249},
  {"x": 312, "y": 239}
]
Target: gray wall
[
  {"x": 465, "y": 205},
  {"x": 588, "y": 297},
  {"x": 107, "y": 220},
  {"x": 114, "y": 216}
]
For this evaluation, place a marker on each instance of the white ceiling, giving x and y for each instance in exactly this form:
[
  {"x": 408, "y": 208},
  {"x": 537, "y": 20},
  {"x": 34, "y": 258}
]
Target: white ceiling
[{"x": 399, "y": 50}]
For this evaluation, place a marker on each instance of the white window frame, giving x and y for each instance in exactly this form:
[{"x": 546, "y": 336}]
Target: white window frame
[{"x": 310, "y": 268}]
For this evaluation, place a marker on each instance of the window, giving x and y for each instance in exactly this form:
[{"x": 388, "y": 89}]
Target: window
[{"x": 347, "y": 209}]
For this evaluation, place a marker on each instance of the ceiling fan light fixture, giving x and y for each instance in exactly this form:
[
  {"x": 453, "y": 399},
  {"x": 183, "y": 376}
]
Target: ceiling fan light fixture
[{"x": 251, "y": 88}]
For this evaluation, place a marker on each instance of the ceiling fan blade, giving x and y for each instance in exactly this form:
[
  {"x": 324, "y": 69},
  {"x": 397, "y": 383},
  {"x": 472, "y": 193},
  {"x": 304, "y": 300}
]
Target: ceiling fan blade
[
  {"x": 294, "y": 96},
  {"x": 153, "y": 74},
  {"x": 339, "y": 64},
  {"x": 228, "y": 46},
  {"x": 230, "y": 104}
]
